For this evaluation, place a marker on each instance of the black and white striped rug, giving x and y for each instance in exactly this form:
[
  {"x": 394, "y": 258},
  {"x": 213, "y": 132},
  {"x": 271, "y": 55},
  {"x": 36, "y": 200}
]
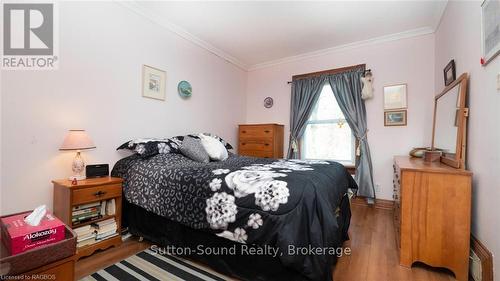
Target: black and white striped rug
[{"x": 148, "y": 265}]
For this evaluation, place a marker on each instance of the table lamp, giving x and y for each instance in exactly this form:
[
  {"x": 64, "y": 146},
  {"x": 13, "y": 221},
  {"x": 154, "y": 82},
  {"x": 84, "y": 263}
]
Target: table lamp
[{"x": 77, "y": 140}]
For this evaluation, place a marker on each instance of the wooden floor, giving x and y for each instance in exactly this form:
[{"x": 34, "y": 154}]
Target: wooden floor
[{"x": 374, "y": 253}]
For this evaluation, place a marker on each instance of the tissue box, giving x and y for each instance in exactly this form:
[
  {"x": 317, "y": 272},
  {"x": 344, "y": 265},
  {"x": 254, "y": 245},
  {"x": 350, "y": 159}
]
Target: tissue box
[{"x": 19, "y": 236}]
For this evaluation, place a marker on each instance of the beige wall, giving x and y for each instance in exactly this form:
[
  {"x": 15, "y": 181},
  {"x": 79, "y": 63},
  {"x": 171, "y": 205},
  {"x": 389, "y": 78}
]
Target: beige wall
[
  {"x": 98, "y": 88},
  {"x": 408, "y": 61},
  {"x": 459, "y": 37}
]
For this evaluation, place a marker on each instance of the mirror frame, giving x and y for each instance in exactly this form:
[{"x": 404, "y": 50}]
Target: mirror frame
[{"x": 459, "y": 160}]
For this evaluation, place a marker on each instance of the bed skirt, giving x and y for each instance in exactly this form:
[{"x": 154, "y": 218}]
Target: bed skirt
[{"x": 166, "y": 233}]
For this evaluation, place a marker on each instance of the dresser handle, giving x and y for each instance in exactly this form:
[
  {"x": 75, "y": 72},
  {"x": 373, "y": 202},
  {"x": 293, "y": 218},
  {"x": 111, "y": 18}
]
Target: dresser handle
[
  {"x": 99, "y": 193},
  {"x": 243, "y": 132},
  {"x": 266, "y": 144},
  {"x": 243, "y": 143},
  {"x": 267, "y": 131}
]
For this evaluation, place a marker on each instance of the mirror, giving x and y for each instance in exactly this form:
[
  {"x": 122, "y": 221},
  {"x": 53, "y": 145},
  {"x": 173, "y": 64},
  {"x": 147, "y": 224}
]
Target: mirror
[
  {"x": 445, "y": 138},
  {"x": 450, "y": 121}
]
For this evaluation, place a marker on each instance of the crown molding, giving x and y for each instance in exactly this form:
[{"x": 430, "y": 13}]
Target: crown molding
[
  {"x": 140, "y": 10},
  {"x": 153, "y": 17},
  {"x": 358, "y": 44},
  {"x": 439, "y": 14}
]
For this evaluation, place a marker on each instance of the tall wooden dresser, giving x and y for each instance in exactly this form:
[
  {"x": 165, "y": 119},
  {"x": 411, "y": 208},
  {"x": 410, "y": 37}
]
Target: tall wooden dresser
[
  {"x": 432, "y": 214},
  {"x": 261, "y": 140}
]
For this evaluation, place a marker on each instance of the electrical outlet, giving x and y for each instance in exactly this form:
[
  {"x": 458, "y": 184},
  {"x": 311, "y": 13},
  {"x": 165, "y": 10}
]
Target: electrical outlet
[
  {"x": 377, "y": 188},
  {"x": 475, "y": 267}
]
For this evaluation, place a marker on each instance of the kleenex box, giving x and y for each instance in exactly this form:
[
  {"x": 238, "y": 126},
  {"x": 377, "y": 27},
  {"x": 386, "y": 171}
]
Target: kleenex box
[{"x": 18, "y": 236}]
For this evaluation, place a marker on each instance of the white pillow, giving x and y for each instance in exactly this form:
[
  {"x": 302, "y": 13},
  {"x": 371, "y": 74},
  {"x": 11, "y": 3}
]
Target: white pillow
[{"x": 214, "y": 148}]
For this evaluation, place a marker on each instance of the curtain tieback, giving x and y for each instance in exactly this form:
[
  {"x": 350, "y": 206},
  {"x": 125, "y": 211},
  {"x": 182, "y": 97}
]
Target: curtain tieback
[
  {"x": 295, "y": 144},
  {"x": 363, "y": 137}
]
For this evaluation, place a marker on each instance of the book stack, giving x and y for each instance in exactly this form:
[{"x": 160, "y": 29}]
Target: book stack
[
  {"x": 86, "y": 212},
  {"x": 85, "y": 236},
  {"x": 105, "y": 229}
]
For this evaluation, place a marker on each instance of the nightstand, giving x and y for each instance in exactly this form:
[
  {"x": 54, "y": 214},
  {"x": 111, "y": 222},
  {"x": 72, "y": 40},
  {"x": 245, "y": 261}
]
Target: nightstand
[{"x": 79, "y": 206}]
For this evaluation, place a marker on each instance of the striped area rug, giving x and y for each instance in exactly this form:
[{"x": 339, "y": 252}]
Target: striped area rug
[{"x": 148, "y": 265}]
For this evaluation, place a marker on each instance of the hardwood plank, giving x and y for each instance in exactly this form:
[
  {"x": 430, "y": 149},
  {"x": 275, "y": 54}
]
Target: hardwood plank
[
  {"x": 375, "y": 254},
  {"x": 373, "y": 245}
]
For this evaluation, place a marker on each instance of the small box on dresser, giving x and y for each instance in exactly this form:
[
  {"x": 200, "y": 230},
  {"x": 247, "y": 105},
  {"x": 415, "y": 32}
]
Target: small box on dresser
[
  {"x": 432, "y": 214},
  {"x": 261, "y": 140},
  {"x": 95, "y": 202}
]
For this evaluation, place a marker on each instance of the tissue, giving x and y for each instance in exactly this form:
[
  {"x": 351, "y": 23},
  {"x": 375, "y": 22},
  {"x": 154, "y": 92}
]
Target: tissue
[{"x": 36, "y": 216}]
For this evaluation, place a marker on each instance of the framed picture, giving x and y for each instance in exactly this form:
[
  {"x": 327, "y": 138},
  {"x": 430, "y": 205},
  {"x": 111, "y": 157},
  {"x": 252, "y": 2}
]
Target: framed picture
[
  {"x": 395, "y": 97},
  {"x": 449, "y": 73},
  {"x": 153, "y": 82},
  {"x": 395, "y": 118},
  {"x": 490, "y": 30}
]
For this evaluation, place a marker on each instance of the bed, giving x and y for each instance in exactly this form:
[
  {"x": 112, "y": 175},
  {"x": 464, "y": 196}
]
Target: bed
[{"x": 294, "y": 214}]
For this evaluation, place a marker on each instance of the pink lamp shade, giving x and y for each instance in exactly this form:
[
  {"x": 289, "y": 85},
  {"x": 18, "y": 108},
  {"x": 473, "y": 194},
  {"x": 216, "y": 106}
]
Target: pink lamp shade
[{"x": 77, "y": 140}]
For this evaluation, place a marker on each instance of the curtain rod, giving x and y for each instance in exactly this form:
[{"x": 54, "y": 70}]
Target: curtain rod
[{"x": 327, "y": 72}]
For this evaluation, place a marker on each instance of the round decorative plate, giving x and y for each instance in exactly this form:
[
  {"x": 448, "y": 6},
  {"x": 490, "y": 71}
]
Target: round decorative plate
[
  {"x": 268, "y": 102},
  {"x": 184, "y": 89}
]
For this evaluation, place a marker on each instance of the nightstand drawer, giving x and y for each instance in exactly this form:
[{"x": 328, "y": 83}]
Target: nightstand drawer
[{"x": 91, "y": 194}]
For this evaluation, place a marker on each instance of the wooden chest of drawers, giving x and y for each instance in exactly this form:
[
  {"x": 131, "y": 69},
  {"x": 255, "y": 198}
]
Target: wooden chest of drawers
[
  {"x": 261, "y": 140},
  {"x": 432, "y": 213}
]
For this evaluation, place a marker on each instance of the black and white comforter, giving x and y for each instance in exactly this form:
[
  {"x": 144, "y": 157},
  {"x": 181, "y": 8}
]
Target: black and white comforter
[{"x": 248, "y": 200}]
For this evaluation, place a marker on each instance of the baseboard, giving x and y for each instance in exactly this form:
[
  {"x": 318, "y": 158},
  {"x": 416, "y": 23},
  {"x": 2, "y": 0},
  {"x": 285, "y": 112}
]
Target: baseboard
[
  {"x": 381, "y": 204},
  {"x": 485, "y": 256}
]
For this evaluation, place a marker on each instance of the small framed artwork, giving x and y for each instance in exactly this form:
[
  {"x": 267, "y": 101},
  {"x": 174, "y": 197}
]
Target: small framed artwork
[
  {"x": 395, "y": 118},
  {"x": 153, "y": 82},
  {"x": 449, "y": 73},
  {"x": 490, "y": 30},
  {"x": 395, "y": 97}
]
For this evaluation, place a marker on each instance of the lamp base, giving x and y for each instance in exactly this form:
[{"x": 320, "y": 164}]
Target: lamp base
[
  {"x": 78, "y": 166},
  {"x": 77, "y": 177}
]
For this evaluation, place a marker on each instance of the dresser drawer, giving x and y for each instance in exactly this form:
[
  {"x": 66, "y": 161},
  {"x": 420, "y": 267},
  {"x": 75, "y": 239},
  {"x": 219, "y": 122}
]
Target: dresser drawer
[
  {"x": 256, "y": 132},
  {"x": 101, "y": 192},
  {"x": 258, "y": 145},
  {"x": 256, "y": 153}
]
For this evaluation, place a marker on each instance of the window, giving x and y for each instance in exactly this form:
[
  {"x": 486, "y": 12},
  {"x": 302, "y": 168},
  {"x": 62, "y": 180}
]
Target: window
[{"x": 327, "y": 135}]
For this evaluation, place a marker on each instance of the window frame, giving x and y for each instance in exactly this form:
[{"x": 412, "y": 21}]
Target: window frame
[{"x": 303, "y": 143}]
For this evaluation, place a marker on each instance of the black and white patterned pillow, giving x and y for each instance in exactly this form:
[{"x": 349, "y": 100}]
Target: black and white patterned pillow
[
  {"x": 150, "y": 147},
  {"x": 225, "y": 143},
  {"x": 193, "y": 149}
]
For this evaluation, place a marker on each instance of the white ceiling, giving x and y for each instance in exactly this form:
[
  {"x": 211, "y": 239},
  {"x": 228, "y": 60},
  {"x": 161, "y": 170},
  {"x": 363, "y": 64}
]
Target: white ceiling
[{"x": 253, "y": 34}]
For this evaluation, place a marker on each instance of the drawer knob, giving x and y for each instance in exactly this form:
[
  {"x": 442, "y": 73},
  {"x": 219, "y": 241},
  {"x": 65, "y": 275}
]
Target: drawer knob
[
  {"x": 243, "y": 132},
  {"x": 243, "y": 143},
  {"x": 266, "y": 144},
  {"x": 267, "y": 131},
  {"x": 99, "y": 193}
]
